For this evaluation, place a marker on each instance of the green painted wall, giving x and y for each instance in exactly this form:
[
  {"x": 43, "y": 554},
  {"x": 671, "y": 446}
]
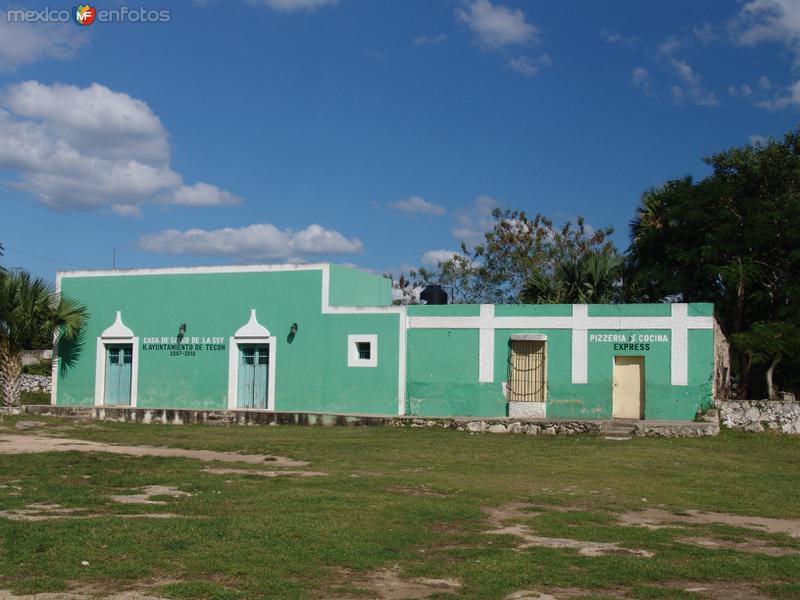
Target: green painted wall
[
  {"x": 443, "y": 365},
  {"x": 351, "y": 287},
  {"x": 442, "y": 371},
  {"x": 311, "y": 371},
  {"x": 443, "y": 375}
]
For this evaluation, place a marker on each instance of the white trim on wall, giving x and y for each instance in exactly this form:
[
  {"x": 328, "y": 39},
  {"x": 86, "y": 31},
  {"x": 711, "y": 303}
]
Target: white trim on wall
[
  {"x": 250, "y": 333},
  {"x": 580, "y": 323},
  {"x": 353, "y": 360}
]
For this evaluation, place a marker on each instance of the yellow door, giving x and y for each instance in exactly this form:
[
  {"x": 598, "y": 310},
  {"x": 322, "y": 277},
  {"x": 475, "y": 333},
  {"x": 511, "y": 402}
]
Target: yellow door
[{"x": 628, "y": 387}]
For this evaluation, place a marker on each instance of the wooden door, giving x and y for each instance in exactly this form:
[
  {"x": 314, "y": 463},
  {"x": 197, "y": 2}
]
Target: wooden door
[{"x": 628, "y": 396}]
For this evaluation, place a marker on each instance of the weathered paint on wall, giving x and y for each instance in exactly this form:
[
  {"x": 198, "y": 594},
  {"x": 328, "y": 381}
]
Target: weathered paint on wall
[
  {"x": 449, "y": 360},
  {"x": 443, "y": 375},
  {"x": 311, "y": 369}
]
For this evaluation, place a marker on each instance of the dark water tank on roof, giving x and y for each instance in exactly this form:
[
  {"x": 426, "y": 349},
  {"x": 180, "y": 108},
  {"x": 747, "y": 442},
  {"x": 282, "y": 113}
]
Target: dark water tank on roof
[{"x": 434, "y": 294}]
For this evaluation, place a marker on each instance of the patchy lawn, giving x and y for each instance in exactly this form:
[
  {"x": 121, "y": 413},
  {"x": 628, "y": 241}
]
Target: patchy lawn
[{"x": 393, "y": 513}]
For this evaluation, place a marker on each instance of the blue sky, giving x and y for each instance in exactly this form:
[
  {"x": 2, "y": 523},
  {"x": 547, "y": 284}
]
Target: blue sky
[{"x": 370, "y": 133}]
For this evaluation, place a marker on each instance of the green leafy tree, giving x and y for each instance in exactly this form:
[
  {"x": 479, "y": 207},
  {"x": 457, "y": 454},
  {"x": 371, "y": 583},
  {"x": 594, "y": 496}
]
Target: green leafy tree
[
  {"x": 769, "y": 344},
  {"x": 732, "y": 239},
  {"x": 593, "y": 278},
  {"x": 31, "y": 313},
  {"x": 515, "y": 249}
]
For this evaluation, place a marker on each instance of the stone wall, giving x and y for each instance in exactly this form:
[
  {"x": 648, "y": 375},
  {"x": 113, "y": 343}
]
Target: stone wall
[
  {"x": 758, "y": 415},
  {"x": 35, "y": 383}
]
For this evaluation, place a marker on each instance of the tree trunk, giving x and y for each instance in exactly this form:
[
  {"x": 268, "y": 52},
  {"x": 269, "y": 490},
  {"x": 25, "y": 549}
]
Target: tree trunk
[
  {"x": 738, "y": 313},
  {"x": 744, "y": 379},
  {"x": 770, "y": 388},
  {"x": 10, "y": 372}
]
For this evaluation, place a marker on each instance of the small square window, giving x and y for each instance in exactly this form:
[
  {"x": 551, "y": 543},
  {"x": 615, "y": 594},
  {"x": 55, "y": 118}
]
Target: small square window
[{"x": 362, "y": 350}]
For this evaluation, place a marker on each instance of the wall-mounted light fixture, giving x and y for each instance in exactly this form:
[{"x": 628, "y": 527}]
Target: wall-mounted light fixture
[
  {"x": 292, "y": 333},
  {"x": 181, "y": 332}
]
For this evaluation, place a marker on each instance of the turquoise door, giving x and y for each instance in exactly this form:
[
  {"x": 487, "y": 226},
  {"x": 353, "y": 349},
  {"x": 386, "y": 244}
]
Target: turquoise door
[
  {"x": 118, "y": 374},
  {"x": 253, "y": 377}
]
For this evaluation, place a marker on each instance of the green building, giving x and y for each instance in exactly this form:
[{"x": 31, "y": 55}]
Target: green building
[{"x": 325, "y": 338}]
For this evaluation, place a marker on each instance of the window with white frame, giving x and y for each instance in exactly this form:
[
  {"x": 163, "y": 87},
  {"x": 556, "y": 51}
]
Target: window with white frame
[{"x": 362, "y": 350}]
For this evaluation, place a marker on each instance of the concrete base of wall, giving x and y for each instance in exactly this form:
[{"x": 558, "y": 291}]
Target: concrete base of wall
[
  {"x": 530, "y": 426},
  {"x": 527, "y": 410}
]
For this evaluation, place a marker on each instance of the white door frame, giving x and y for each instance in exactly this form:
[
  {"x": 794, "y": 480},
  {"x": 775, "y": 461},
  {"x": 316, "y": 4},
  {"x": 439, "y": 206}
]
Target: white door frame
[
  {"x": 118, "y": 333},
  {"x": 251, "y": 333}
]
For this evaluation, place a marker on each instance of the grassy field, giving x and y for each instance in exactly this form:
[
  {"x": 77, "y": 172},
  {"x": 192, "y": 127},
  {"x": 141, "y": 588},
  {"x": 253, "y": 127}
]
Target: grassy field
[{"x": 425, "y": 513}]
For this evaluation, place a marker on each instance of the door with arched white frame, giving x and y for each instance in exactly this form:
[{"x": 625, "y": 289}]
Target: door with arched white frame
[
  {"x": 116, "y": 367},
  {"x": 251, "y": 367}
]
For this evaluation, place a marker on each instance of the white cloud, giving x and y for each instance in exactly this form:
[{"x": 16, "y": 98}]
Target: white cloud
[
  {"x": 764, "y": 83},
  {"x": 740, "y": 90},
  {"x": 496, "y": 26},
  {"x": 783, "y": 99},
  {"x": 417, "y": 205},
  {"x": 255, "y": 242},
  {"x": 473, "y": 222},
  {"x": 429, "y": 40},
  {"x": 528, "y": 67},
  {"x": 614, "y": 37},
  {"x": 203, "y": 194},
  {"x": 640, "y": 78},
  {"x": 127, "y": 210},
  {"x": 769, "y": 21},
  {"x": 758, "y": 140},
  {"x": 432, "y": 258},
  {"x": 91, "y": 147},
  {"x": 692, "y": 87},
  {"x": 26, "y": 43},
  {"x": 287, "y": 6}
]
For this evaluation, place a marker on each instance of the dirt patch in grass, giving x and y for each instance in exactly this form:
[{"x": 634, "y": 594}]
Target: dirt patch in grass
[
  {"x": 498, "y": 516},
  {"x": 717, "y": 590},
  {"x": 44, "y": 512},
  {"x": 562, "y": 594},
  {"x": 226, "y": 471},
  {"x": 419, "y": 490},
  {"x": 31, "y": 444},
  {"x": 751, "y": 545},
  {"x": 6, "y": 595},
  {"x": 657, "y": 519},
  {"x": 388, "y": 584},
  {"x": 585, "y": 548},
  {"x": 512, "y": 511},
  {"x": 28, "y": 424},
  {"x": 147, "y": 492}
]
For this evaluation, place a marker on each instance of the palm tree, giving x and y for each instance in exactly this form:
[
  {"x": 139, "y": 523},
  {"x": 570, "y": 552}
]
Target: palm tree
[
  {"x": 592, "y": 279},
  {"x": 31, "y": 314}
]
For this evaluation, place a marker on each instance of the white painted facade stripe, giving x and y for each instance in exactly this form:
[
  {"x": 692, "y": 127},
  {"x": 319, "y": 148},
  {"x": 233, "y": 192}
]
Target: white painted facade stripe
[
  {"x": 580, "y": 343},
  {"x": 580, "y": 323},
  {"x": 486, "y": 344}
]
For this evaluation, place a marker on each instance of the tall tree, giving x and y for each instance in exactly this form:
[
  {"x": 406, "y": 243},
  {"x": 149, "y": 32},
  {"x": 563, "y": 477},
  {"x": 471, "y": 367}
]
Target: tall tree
[
  {"x": 515, "y": 249},
  {"x": 594, "y": 278},
  {"x": 31, "y": 313},
  {"x": 732, "y": 239}
]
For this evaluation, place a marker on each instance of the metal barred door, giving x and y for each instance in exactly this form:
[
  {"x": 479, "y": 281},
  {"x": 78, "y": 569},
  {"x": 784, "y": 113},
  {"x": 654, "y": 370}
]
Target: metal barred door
[{"x": 527, "y": 376}]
